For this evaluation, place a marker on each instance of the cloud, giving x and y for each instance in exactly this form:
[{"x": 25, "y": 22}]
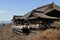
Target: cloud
[{"x": 2, "y": 11}]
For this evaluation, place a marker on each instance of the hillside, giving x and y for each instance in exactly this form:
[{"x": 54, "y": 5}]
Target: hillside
[{"x": 49, "y": 34}]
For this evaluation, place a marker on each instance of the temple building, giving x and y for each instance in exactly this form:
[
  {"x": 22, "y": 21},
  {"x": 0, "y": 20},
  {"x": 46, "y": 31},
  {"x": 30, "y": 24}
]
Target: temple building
[{"x": 43, "y": 17}]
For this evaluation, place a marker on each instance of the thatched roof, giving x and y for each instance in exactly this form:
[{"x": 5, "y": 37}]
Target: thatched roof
[
  {"x": 17, "y": 17},
  {"x": 45, "y": 16},
  {"x": 27, "y": 15},
  {"x": 41, "y": 12},
  {"x": 48, "y": 7}
]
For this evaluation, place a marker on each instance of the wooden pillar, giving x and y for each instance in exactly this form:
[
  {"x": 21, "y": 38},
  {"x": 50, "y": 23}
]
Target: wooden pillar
[
  {"x": 29, "y": 23},
  {"x": 35, "y": 23},
  {"x": 39, "y": 24}
]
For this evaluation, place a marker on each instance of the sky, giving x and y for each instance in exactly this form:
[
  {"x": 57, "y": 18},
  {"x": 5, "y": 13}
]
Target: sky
[{"x": 9, "y": 8}]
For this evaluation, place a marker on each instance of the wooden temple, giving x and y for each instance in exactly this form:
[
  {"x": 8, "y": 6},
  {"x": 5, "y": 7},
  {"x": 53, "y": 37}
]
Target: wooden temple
[{"x": 40, "y": 18}]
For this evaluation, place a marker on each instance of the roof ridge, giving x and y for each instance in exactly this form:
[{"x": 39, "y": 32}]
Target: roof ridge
[
  {"x": 50, "y": 5},
  {"x": 45, "y": 5}
]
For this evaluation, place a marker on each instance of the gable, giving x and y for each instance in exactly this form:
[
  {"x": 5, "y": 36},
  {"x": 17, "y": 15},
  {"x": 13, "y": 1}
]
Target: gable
[
  {"x": 32, "y": 16},
  {"x": 54, "y": 13}
]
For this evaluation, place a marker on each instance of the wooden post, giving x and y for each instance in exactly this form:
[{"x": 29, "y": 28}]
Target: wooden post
[{"x": 39, "y": 25}]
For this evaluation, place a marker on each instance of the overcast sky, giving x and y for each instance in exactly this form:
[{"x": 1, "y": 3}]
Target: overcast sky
[{"x": 8, "y": 8}]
